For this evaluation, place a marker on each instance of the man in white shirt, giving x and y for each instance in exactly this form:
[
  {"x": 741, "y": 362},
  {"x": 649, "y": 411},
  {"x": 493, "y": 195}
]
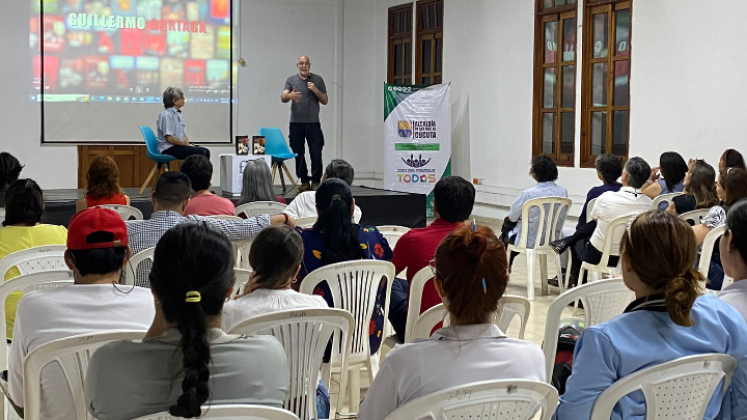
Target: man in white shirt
[
  {"x": 609, "y": 206},
  {"x": 97, "y": 252},
  {"x": 304, "y": 205}
]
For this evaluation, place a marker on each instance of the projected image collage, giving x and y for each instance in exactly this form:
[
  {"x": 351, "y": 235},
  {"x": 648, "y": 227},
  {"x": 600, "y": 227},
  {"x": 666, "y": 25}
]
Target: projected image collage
[{"x": 129, "y": 51}]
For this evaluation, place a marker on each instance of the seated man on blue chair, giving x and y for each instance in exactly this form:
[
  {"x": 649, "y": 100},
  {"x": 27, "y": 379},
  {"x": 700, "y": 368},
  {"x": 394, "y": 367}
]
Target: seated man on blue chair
[{"x": 172, "y": 139}]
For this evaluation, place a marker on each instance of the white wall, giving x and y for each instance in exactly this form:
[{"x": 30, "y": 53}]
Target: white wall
[{"x": 685, "y": 91}]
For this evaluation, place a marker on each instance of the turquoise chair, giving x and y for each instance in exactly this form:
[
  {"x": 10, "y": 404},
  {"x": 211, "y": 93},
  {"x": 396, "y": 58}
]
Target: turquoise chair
[
  {"x": 161, "y": 161},
  {"x": 276, "y": 147}
]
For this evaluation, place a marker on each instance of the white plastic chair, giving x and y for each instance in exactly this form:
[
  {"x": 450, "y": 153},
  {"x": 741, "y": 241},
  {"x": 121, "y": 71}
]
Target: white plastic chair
[
  {"x": 695, "y": 216},
  {"x": 71, "y": 355},
  {"x": 509, "y": 307},
  {"x": 135, "y": 261},
  {"x": 706, "y": 254},
  {"x": 392, "y": 233},
  {"x": 353, "y": 286},
  {"x": 552, "y": 212},
  {"x": 232, "y": 412},
  {"x": 602, "y": 300},
  {"x": 489, "y": 400},
  {"x": 680, "y": 389},
  {"x": 260, "y": 207},
  {"x": 304, "y": 334},
  {"x": 125, "y": 212},
  {"x": 665, "y": 198},
  {"x": 242, "y": 278},
  {"x": 26, "y": 283},
  {"x": 35, "y": 260},
  {"x": 423, "y": 326},
  {"x": 613, "y": 233},
  {"x": 2, "y": 216},
  {"x": 417, "y": 285},
  {"x": 306, "y": 222}
]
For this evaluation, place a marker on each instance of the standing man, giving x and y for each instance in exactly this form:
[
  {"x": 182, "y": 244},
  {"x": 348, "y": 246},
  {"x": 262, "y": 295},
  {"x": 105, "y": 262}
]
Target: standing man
[{"x": 307, "y": 91}]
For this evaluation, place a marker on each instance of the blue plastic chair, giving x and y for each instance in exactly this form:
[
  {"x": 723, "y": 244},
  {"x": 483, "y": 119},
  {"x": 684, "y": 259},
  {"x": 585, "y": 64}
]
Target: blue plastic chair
[
  {"x": 276, "y": 147},
  {"x": 151, "y": 144}
]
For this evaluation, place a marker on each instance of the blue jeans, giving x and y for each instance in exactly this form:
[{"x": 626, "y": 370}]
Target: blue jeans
[
  {"x": 398, "y": 307},
  {"x": 322, "y": 401}
]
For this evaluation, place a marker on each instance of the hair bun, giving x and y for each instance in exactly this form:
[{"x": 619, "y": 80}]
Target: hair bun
[{"x": 476, "y": 244}]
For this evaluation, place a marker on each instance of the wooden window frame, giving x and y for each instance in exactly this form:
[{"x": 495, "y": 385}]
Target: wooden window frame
[
  {"x": 433, "y": 34},
  {"x": 400, "y": 38},
  {"x": 592, "y": 8},
  {"x": 544, "y": 15}
]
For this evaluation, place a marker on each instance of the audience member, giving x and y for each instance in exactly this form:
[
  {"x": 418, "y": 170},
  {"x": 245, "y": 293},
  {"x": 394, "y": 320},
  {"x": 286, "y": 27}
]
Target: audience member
[
  {"x": 257, "y": 184},
  {"x": 545, "y": 173},
  {"x": 731, "y": 159},
  {"x": 170, "y": 198},
  {"x": 23, "y": 229},
  {"x": 700, "y": 189},
  {"x": 731, "y": 188},
  {"x": 304, "y": 205},
  {"x": 669, "y": 318},
  {"x": 471, "y": 275},
  {"x": 609, "y": 206},
  {"x": 172, "y": 138},
  {"x": 102, "y": 185},
  {"x": 185, "y": 358},
  {"x": 96, "y": 253},
  {"x": 335, "y": 238},
  {"x": 453, "y": 199},
  {"x": 275, "y": 257},
  {"x": 734, "y": 257},
  {"x": 609, "y": 169},
  {"x": 667, "y": 178},
  {"x": 199, "y": 170},
  {"x": 10, "y": 170}
]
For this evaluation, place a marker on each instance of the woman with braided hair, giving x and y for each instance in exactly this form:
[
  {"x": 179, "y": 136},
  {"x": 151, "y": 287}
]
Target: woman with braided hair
[
  {"x": 185, "y": 359},
  {"x": 669, "y": 319}
]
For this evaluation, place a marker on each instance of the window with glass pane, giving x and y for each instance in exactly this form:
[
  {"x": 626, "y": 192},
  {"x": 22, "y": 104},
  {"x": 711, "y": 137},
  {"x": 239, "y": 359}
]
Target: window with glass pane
[
  {"x": 606, "y": 74},
  {"x": 429, "y": 45},
  {"x": 554, "y": 126},
  {"x": 400, "y": 45}
]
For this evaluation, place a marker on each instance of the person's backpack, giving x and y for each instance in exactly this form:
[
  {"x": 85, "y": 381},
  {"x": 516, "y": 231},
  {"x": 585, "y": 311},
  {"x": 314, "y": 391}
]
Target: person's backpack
[{"x": 567, "y": 337}]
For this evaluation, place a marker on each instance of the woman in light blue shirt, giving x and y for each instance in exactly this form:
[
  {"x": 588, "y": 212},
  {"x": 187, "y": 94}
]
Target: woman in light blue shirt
[{"x": 668, "y": 320}]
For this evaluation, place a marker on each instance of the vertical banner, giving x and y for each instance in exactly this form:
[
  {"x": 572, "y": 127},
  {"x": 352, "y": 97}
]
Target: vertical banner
[{"x": 417, "y": 138}]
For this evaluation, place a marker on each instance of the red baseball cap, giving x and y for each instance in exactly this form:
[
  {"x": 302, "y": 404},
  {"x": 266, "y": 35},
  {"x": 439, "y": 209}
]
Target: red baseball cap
[{"x": 110, "y": 228}]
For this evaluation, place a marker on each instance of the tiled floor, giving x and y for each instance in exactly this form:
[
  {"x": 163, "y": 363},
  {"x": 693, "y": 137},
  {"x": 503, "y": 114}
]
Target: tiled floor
[{"x": 535, "y": 329}]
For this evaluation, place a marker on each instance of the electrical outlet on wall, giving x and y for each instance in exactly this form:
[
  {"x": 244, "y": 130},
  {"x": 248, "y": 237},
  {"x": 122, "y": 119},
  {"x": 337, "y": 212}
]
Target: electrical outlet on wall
[{"x": 478, "y": 181}]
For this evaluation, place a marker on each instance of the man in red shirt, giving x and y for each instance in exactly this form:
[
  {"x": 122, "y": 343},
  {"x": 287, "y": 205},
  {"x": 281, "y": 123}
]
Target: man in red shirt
[{"x": 453, "y": 199}]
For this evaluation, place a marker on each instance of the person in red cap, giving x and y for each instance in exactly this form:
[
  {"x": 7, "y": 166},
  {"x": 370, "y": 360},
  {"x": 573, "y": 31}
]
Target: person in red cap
[{"x": 96, "y": 253}]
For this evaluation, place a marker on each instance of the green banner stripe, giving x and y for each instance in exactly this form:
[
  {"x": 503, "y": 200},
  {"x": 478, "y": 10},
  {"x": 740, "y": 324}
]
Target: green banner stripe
[
  {"x": 394, "y": 94},
  {"x": 408, "y": 147}
]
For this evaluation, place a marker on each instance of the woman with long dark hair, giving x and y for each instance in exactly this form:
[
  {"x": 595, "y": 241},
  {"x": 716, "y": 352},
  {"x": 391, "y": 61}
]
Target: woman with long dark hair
[
  {"x": 10, "y": 170},
  {"x": 185, "y": 359},
  {"x": 275, "y": 258},
  {"x": 700, "y": 189},
  {"x": 731, "y": 188},
  {"x": 669, "y": 319},
  {"x": 24, "y": 207},
  {"x": 668, "y": 177},
  {"x": 470, "y": 272},
  {"x": 335, "y": 238},
  {"x": 102, "y": 185},
  {"x": 731, "y": 159},
  {"x": 734, "y": 257}
]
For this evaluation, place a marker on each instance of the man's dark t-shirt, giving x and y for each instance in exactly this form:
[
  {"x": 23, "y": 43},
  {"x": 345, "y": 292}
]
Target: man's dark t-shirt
[{"x": 307, "y": 109}]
